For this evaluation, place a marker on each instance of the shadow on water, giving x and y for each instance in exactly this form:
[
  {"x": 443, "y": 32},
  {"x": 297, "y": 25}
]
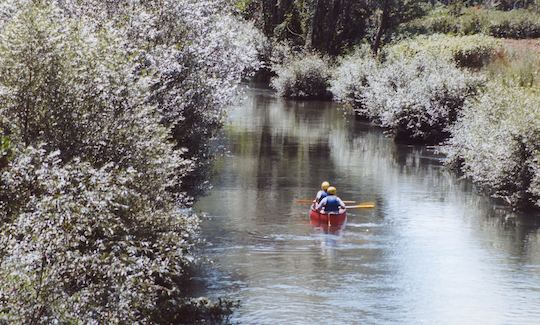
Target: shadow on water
[{"x": 432, "y": 251}]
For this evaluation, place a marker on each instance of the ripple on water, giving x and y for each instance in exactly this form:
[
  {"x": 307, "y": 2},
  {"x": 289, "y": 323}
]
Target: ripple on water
[{"x": 364, "y": 225}]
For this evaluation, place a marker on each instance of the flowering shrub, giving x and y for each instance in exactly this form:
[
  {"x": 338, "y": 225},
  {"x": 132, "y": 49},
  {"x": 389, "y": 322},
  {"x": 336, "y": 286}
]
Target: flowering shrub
[
  {"x": 87, "y": 244},
  {"x": 192, "y": 54},
  {"x": 95, "y": 225},
  {"x": 416, "y": 99},
  {"x": 496, "y": 143},
  {"x": 472, "y": 51},
  {"x": 302, "y": 76},
  {"x": 350, "y": 80}
]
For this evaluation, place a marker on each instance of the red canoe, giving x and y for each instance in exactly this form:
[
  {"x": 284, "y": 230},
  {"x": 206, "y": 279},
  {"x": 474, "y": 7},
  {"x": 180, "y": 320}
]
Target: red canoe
[{"x": 327, "y": 219}]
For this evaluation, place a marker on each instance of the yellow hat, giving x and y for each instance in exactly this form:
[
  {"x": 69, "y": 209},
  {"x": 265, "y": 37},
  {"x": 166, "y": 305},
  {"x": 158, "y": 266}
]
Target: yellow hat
[
  {"x": 325, "y": 185},
  {"x": 331, "y": 190}
]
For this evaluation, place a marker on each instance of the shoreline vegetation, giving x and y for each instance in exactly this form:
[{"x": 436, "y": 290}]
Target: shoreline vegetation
[
  {"x": 106, "y": 112},
  {"x": 437, "y": 76}
]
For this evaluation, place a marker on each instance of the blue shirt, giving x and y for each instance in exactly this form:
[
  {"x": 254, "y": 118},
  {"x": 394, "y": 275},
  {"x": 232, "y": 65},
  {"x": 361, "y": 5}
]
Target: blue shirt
[
  {"x": 320, "y": 195},
  {"x": 331, "y": 203}
]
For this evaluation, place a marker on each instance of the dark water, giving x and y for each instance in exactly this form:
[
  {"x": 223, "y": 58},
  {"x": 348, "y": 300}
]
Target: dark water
[{"x": 433, "y": 251}]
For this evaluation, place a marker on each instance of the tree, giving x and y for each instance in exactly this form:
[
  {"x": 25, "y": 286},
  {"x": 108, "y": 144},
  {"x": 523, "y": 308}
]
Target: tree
[
  {"x": 388, "y": 15},
  {"x": 326, "y": 26},
  {"x": 95, "y": 223}
]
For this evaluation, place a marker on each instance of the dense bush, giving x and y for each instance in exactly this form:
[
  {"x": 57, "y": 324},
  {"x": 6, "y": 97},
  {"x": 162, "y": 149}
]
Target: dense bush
[
  {"x": 94, "y": 215},
  {"x": 87, "y": 244},
  {"x": 416, "y": 98},
  {"x": 472, "y": 51},
  {"x": 302, "y": 76},
  {"x": 192, "y": 54},
  {"x": 514, "y": 24},
  {"x": 518, "y": 23},
  {"x": 350, "y": 79},
  {"x": 496, "y": 143}
]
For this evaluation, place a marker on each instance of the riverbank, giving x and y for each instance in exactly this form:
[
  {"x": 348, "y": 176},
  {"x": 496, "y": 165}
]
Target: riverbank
[{"x": 105, "y": 119}]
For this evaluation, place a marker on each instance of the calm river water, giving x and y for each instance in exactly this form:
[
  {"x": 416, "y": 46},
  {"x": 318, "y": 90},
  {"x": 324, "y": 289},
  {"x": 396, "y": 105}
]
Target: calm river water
[{"x": 433, "y": 251}]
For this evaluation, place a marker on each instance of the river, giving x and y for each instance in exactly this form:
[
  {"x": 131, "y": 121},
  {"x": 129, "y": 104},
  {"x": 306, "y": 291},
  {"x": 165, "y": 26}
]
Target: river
[{"x": 433, "y": 251}]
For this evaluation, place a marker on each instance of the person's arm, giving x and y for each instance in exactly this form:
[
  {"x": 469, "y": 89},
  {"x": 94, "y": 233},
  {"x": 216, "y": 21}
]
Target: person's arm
[
  {"x": 341, "y": 204},
  {"x": 321, "y": 204}
]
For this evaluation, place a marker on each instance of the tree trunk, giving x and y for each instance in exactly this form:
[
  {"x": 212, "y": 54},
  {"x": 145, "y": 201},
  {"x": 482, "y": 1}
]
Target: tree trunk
[
  {"x": 375, "y": 46},
  {"x": 314, "y": 6}
]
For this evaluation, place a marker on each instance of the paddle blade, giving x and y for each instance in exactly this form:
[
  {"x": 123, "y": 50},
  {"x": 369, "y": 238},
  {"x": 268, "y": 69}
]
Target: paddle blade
[
  {"x": 365, "y": 205},
  {"x": 304, "y": 201}
]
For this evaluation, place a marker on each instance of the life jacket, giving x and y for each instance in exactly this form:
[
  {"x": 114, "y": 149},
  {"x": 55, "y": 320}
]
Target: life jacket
[
  {"x": 321, "y": 195},
  {"x": 332, "y": 204}
]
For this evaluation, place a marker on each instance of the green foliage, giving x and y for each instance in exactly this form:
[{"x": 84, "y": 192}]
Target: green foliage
[
  {"x": 95, "y": 225},
  {"x": 303, "y": 76},
  {"x": 472, "y": 51},
  {"x": 496, "y": 143},
  {"x": 242, "y": 5},
  {"x": 514, "y": 24},
  {"x": 518, "y": 23},
  {"x": 415, "y": 98},
  {"x": 5, "y": 151},
  {"x": 350, "y": 79},
  {"x": 196, "y": 311},
  {"x": 331, "y": 27},
  {"x": 88, "y": 244}
]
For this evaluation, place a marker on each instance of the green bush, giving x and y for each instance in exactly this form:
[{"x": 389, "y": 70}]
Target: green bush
[
  {"x": 496, "y": 142},
  {"x": 305, "y": 76},
  {"x": 5, "y": 151},
  {"x": 414, "y": 99},
  {"x": 473, "y": 51},
  {"x": 514, "y": 24},
  {"x": 518, "y": 23},
  {"x": 350, "y": 79}
]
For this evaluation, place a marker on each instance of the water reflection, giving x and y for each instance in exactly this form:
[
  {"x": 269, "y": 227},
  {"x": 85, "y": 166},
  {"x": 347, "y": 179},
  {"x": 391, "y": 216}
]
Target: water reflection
[{"x": 433, "y": 251}]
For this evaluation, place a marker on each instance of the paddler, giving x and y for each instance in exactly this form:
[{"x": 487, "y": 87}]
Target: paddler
[
  {"x": 322, "y": 193},
  {"x": 331, "y": 203}
]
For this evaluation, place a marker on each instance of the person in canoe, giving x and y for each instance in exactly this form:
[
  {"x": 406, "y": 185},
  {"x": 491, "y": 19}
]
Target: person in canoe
[
  {"x": 322, "y": 193},
  {"x": 331, "y": 203}
]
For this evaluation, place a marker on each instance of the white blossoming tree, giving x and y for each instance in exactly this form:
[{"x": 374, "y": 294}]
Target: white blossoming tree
[
  {"x": 496, "y": 143},
  {"x": 416, "y": 99},
  {"x": 106, "y": 107},
  {"x": 302, "y": 76}
]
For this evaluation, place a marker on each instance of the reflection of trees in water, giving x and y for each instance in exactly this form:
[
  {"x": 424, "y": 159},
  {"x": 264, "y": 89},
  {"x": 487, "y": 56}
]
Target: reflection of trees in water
[
  {"x": 516, "y": 234},
  {"x": 282, "y": 146},
  {"x": 284, "y": 143},
  {"x": 376, "y": 164}
]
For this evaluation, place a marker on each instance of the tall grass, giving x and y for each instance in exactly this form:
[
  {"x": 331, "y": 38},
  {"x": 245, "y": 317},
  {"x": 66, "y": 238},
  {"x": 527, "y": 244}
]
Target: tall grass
[{"x": 516, "y": 67}]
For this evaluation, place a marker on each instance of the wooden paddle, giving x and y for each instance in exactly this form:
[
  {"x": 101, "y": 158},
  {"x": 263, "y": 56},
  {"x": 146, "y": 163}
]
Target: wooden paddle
[
  {"x": 311, "y": 201},
  {"x": 364, "y": 205}
]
